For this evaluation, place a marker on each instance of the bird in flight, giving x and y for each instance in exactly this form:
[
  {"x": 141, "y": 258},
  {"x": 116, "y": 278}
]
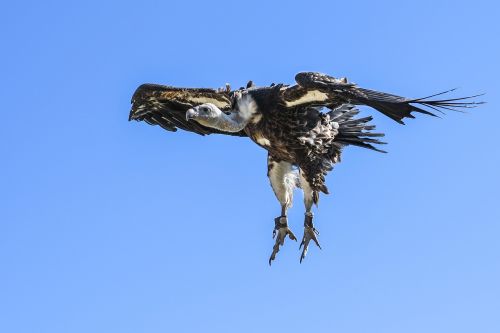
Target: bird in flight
[{"x": 303, "y": 127}]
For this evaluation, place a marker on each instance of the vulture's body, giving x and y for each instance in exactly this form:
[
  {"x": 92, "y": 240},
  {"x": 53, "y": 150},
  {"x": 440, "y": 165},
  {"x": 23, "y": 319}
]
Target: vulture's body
[{"x": 303, "y": 127}]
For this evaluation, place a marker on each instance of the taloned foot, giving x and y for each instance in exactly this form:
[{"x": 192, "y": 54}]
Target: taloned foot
[
  {"x": 309, "y": 233},
  {"x": 280, "y": 232}
]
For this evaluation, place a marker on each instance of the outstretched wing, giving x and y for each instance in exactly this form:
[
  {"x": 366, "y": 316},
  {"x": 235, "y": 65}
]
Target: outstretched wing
[
  {"x": 166, "y": 106},
  {"x": 321, "y": 89}
]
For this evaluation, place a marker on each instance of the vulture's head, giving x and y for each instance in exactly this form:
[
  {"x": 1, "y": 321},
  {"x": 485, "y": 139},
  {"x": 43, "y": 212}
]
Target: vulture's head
[{"x": 206, "y": 114}]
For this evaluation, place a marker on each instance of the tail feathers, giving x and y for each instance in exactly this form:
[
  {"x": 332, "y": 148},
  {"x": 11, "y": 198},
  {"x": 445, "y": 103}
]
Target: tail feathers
[
  {"x": 397, "y": 107},
  {"x": 355, "y": 132}
]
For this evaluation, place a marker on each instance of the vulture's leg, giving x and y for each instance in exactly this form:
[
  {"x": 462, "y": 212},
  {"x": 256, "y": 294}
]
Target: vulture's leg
[
  {"x": 310, "y": 233},
  {"x": 283, "y": 180}
]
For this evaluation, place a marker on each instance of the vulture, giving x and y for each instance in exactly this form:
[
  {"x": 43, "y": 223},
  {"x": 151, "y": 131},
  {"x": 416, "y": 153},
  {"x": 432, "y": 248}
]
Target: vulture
[{"x": 304, "y": 128}]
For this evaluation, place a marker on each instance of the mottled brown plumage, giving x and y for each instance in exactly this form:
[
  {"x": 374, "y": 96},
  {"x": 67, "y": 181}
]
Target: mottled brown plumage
[{"x": 303, "y": 127}]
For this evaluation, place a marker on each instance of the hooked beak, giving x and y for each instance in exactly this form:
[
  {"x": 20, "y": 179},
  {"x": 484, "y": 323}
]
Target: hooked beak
[{"x": 190, "y": 114}]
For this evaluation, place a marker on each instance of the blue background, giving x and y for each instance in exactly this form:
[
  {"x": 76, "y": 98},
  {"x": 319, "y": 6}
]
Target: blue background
[{"x": 111, "y": 226}]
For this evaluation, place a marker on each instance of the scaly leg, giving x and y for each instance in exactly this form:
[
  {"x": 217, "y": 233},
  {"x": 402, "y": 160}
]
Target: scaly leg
[
  {"x": 283, "y": 180},
  {"x": 310, "y": 233},
  {"x": 280, "y": 232}
]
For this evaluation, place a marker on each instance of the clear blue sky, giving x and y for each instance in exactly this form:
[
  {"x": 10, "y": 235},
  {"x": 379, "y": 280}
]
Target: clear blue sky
[{"x": 112, "y": 226}]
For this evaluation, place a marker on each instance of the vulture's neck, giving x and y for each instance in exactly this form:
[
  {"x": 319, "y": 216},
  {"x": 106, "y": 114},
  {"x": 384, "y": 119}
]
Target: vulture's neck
[
  {"x": 234, "y": 122},
  {"x": 239, "y": 118}
]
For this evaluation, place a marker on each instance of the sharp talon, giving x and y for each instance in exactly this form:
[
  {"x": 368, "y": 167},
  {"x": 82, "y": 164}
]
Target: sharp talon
[
  {"x": 310, "y": 233},
  {"x": 280, "y": 232},
  {"x": 314, "y": 238}
]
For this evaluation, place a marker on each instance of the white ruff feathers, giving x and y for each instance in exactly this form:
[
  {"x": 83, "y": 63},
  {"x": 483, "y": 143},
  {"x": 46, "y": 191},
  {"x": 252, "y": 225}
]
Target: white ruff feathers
[{"x": 246, "y": 107}]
